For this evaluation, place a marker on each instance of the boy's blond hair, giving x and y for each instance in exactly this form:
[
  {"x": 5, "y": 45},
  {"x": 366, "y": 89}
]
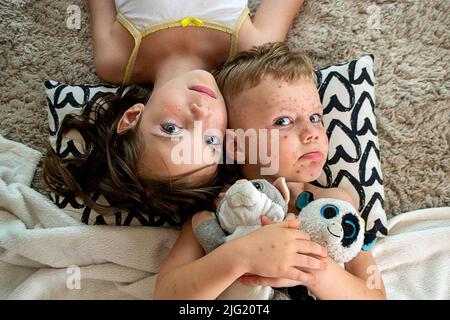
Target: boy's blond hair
[{"x": 248, "y": 68}]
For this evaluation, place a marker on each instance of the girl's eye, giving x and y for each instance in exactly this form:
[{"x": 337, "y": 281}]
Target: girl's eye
[
  {"x": 212, "y": 140},
  {"x": 316, "y": 118},
  {"x": 171, "y": 128},
  {"x": 284, "y": 121}
]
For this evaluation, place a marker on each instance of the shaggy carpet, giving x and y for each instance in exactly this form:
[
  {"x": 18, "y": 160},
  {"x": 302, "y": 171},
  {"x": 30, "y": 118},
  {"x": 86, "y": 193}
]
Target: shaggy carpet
[{"x": 410, "y": 41}]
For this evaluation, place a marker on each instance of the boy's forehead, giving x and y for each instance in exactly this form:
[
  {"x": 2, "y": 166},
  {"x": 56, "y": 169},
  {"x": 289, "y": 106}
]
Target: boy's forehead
[{"x": 271, "y": 93}]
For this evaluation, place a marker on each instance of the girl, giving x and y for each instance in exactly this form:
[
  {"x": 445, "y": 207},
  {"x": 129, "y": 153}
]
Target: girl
[
  {"x": 172, "y": 45},
  {"x": 169, "y": 45}
]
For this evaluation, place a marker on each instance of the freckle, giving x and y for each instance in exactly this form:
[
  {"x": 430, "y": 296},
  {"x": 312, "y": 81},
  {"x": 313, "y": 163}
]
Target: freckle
[
  {"x": 285, "y": 137},
  {"x": 298, "y": 171},
  {"x": 259, "y": 249},
  {"x": 273, "y": 246}
]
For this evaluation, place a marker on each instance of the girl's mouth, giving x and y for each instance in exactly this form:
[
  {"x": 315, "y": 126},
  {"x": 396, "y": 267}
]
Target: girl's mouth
[{"x": 205, "y": 90}]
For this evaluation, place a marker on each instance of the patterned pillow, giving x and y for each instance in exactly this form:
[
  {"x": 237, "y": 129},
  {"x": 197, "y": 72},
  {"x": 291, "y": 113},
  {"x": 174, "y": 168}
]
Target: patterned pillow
[{"x": 348, "y": 96}]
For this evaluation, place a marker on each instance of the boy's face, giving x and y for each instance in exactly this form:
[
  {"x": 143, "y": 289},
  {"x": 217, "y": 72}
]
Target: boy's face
[{"x": 294, "y": 108}]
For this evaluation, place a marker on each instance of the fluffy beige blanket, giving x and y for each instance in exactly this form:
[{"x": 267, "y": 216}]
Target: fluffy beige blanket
[{"x": 410, "y": 41}]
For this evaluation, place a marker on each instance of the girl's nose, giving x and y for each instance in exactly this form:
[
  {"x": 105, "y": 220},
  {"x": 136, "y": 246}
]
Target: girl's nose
[{"x": 199, "y": 111}]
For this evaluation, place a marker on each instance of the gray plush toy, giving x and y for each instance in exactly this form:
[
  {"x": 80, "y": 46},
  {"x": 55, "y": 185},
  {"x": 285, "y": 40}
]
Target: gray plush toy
[
  {"x": 332, "y": 223},
  {"x": 239, "y": 213}
]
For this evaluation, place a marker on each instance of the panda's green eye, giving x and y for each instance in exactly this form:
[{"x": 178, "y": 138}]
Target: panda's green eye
[
  {"x": 258, "y": 185},
  {"x": 329, "y": 211}
]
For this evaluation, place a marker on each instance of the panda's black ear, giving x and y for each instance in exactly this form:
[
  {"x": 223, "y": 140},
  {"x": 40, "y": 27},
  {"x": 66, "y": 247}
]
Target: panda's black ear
[
  {"x": 303, "y": 200},
  {"x": 369, "y": 240}
]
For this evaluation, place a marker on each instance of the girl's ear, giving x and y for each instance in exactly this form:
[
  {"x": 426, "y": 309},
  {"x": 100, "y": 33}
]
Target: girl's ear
[
  {"x": 232, "y": 149},
  {"x": 280, "y": 184},
  {"x": 130, "y": 118}
]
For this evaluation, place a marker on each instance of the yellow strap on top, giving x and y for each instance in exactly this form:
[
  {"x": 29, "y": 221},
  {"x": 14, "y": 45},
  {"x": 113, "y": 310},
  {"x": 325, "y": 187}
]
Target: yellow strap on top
[
  {"x": 137, "y": 36},
  {"x": 234, "y": 45}
]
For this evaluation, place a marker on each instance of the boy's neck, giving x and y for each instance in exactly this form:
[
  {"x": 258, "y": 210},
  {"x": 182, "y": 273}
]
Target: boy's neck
[{"x": 295, "y": 188}]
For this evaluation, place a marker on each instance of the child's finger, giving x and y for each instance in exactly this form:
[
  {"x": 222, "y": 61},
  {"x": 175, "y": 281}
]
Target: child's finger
[
  {"x": 311, "y": 248},
  {"x": 266, "y": 220},
  {"x": 294, "y": 224},
  {"x": 290, "y": 216},
  {"x": 272, "y": 282}
]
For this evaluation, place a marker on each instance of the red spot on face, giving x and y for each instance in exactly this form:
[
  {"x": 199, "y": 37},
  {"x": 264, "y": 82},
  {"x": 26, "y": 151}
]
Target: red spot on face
[{"x": 259, "y": 249}]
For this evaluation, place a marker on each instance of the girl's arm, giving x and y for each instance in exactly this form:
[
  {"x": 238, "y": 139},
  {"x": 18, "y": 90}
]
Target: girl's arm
[
  {"x": 108, "y": 43},
  {"x": 189, "y": 274},
  {"x": 273, "y": 19}
]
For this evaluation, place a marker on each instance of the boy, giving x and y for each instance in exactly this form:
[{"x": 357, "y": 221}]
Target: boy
[{"x": 270, "y": 87}]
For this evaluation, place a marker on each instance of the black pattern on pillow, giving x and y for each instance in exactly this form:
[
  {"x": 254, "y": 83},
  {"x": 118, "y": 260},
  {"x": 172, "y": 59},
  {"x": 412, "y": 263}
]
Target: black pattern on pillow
[{"x": 347, "y": 93}]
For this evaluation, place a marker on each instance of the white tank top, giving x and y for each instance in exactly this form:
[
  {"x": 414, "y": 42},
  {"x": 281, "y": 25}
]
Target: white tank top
[{"x": 143, "y": 17}]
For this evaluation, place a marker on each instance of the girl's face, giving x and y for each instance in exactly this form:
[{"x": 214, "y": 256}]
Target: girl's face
[{"x": 182, "y": 128}]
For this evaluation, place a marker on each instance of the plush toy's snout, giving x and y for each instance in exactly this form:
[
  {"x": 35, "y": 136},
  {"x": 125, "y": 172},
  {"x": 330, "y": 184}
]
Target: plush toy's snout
[{"x": 335, "y": 230}]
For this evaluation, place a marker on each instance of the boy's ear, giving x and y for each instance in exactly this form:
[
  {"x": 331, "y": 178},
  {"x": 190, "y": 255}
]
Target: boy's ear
[
  {"x": 280, "y": 184},
  {"x": 130, "y": 118},
  {"x": 232, "y": 148}
]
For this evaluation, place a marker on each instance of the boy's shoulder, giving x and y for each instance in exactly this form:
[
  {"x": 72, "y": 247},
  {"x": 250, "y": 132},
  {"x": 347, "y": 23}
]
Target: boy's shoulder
[{"x": 336, "y": 193}]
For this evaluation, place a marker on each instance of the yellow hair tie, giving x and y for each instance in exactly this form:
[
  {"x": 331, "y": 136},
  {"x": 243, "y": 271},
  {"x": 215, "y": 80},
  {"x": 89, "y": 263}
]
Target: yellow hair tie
[{"x": 191, "y": 21}]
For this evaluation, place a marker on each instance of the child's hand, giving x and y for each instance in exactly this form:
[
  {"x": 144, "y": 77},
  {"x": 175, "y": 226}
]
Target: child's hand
[
  {"x": 255, "y": 280},
  {"x": 280, "y": 250}
]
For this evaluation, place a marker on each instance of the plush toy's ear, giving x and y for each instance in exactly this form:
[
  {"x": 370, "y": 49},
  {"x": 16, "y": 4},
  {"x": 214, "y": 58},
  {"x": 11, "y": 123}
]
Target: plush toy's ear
[
  {"x": 281, "y": 185},
  {"x": 303, "y": 200},
  {"x": 369, "y": 240},
  {"x": 370, "y": 237}
]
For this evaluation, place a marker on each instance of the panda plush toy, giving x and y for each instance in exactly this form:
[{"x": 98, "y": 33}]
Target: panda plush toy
[{"x": 332, "y": 223}]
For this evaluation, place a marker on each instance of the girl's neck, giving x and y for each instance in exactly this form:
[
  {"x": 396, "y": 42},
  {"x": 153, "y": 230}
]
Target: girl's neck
[{"x": 174, "y": 65}]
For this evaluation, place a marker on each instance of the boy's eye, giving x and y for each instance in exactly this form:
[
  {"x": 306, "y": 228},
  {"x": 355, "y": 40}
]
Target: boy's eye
[
  {"x": 171, "y": 128},
  {"x": 316, "y": 118},
  {"x": 212, "y": 140},
  {"x": 284, "y": 121}
]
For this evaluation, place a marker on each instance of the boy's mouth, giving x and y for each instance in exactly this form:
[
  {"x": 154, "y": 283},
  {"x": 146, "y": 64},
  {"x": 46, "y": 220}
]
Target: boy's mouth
[{"x": 315, "y": 155}]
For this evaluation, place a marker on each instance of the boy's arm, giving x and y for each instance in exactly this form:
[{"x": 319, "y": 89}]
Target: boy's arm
[
  {"x": 360, "y": 280},
  {"x": 273, "y": 19}
]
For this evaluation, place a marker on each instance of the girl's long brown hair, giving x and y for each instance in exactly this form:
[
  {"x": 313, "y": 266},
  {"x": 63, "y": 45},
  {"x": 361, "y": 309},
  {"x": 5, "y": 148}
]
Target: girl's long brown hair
[{"x": 108, "y": 167}]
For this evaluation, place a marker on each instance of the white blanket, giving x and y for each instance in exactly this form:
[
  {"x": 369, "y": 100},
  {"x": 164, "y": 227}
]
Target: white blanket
[
  {"x": 415, "y": 258},
  {"x": 47, "y": 254}
]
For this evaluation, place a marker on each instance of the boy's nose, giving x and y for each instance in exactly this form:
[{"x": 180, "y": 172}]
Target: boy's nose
[{"x": 308, "y": 135}]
